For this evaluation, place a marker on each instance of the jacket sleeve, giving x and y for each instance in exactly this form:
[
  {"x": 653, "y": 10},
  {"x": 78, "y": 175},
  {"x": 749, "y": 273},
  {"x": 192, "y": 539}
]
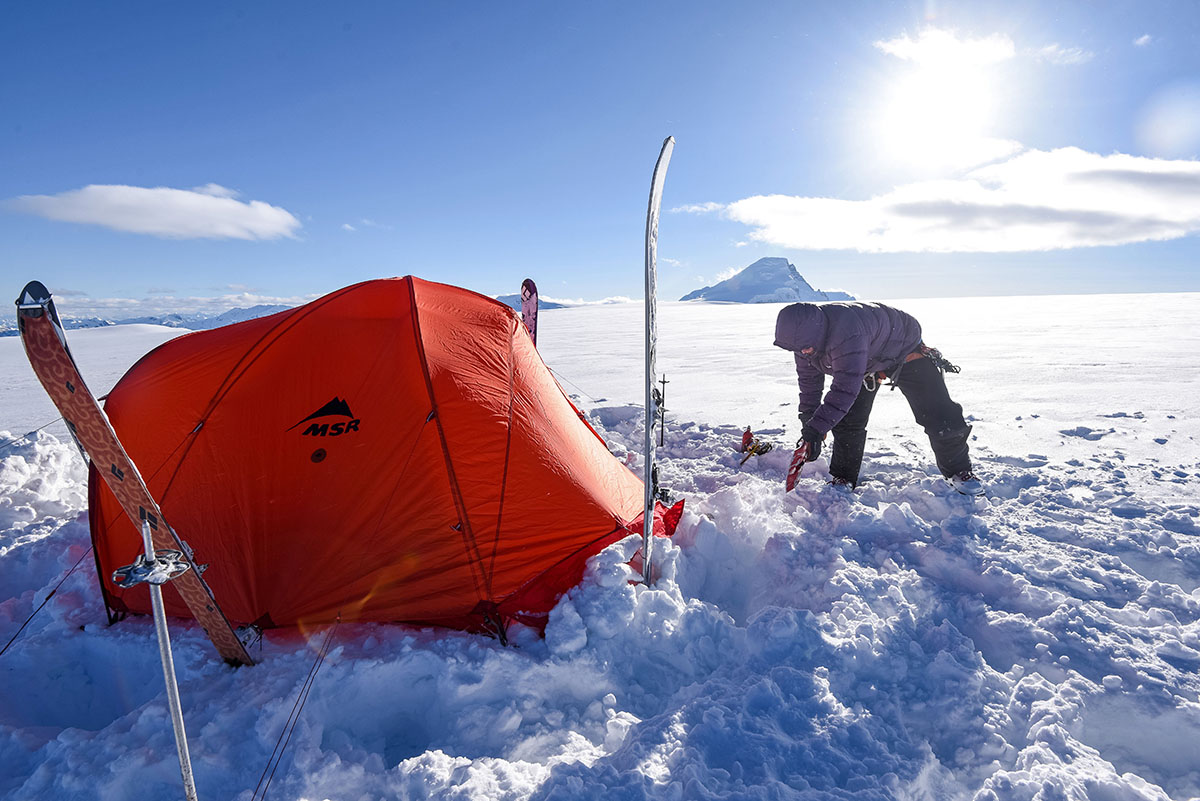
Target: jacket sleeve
[
  {"x": 812, "y": 384},
  {"x": 849, "y": 360}
]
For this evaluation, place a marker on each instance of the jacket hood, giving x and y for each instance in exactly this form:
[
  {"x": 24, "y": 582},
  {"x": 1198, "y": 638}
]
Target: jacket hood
[{"x": 799, "y": 326}]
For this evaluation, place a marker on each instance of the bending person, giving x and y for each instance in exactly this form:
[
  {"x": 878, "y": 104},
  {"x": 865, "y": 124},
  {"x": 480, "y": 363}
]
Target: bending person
[{"x": 860, "y": 345}]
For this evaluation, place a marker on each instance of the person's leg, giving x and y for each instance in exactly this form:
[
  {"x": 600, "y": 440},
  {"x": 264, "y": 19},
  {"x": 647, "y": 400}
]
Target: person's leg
[
  {"x": 850, "y": 437},
  {"x": 925, "y": 388}
]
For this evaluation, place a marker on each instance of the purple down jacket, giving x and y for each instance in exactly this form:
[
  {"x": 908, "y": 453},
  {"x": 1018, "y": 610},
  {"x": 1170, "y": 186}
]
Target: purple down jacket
[{"x": 850, "y": 340}]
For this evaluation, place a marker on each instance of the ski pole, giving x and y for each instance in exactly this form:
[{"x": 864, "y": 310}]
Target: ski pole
[
  {"x": 156, "y": 569},
  {"x": 168, "y": 663}
]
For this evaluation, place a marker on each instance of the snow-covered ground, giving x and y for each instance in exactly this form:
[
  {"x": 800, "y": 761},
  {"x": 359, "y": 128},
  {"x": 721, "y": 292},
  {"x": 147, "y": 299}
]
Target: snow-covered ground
[{"x": 899, "y": 642}]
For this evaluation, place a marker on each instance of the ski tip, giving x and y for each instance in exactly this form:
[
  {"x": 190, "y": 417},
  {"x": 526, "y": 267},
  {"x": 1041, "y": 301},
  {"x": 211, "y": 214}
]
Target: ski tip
[{"x": 34, "y": 294}]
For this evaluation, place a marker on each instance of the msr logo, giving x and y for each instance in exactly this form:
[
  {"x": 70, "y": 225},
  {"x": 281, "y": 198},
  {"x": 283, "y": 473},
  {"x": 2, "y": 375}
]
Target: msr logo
[{"x": 318, "y": 428}]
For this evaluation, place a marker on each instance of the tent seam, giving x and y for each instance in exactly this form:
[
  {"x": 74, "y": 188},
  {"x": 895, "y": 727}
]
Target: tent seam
[
  {"x": 474, "y": 558},
  {"x": 507, "y": 458},
  {"x": 227, "y": 385}
]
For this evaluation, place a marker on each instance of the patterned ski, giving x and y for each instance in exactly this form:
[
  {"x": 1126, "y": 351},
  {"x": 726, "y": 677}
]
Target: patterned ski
[
  {"x": 799, "y": 457},
  {"x": 529, "y": 307},
  {"x": 46, "y": 345}
]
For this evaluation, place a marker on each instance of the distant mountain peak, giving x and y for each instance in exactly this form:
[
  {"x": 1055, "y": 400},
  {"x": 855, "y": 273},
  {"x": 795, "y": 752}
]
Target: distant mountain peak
[
  {"x": 769, "y": 280},
  {"x": 514, "y": 301}
]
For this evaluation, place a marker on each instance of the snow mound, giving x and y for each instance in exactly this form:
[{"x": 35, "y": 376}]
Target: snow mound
[{"x": 901, "y": 641}]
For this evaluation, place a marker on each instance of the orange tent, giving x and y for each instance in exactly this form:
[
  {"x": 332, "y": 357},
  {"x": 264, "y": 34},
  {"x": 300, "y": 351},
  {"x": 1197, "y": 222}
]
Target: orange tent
[{"x": 394, "y": 451}]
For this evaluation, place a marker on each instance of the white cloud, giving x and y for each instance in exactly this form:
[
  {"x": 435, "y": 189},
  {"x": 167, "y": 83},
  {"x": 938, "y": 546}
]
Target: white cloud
[
  {"x": 365, "y": 222},
  {"x": 1057, "y": 54},
  {"x": 1143, "y": 40},
  {"x": 935, "y": 46},
  {"x": 208, "y": 212},
  {"x": 216, "y": 190},
  {"x": 698, "y": 208},
  {"x": 1038, "y": 200},
  {"x": 945, "y": 49}
]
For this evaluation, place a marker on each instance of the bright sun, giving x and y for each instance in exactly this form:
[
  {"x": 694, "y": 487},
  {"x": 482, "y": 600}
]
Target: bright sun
[{"x": 939, "y": 111}]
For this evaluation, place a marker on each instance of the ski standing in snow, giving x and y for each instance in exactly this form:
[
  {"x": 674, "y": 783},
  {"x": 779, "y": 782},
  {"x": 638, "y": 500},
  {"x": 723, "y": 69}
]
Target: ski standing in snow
[
  {"x": 653, "y": 400},
  {"x": 862, "y": 345}
]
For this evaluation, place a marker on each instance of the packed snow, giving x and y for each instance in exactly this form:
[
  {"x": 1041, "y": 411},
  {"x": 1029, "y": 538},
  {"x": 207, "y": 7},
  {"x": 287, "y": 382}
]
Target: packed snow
[{"x": 896, "y": 642}]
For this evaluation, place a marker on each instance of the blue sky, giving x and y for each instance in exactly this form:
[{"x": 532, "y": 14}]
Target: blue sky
[{"x": 158, "y": 156}]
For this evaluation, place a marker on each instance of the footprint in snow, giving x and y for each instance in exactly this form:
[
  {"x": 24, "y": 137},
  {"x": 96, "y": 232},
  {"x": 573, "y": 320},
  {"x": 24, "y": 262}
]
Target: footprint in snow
[
  {"x": 1086, "y": 433},
  {"x": 1032, "y": 460}
]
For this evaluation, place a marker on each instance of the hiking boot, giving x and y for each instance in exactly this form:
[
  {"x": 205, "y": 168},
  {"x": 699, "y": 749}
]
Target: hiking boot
[
  {"x": 966, "y": 482},
  {"x": 841, "y": 483}
]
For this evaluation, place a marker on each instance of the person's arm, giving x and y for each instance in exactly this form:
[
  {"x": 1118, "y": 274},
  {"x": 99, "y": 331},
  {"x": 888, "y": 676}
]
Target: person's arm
[
  {"x": 848, "y": 357},
  {"x": 812, "y": 384}
]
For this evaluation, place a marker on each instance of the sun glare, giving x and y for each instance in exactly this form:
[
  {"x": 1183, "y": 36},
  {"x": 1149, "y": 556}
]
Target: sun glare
[
  {"x": 939, "y": 110},
  {"x": 934, "y": 117}
]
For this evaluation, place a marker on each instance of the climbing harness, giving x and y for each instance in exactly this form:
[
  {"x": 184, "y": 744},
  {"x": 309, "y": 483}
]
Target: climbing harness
[{"x": 872, "y": 381}]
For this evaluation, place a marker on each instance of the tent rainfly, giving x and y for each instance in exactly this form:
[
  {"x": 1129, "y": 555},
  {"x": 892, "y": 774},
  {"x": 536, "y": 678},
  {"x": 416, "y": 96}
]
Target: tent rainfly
[{"x": 395, "y": 451}]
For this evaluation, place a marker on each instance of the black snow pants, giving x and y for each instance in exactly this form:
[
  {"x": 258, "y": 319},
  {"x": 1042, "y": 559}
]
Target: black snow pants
[{"x": 925, "y": 388}]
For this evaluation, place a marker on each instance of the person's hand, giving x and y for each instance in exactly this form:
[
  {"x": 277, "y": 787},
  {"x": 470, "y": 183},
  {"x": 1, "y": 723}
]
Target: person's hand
[{"x": 812, "y": 438}]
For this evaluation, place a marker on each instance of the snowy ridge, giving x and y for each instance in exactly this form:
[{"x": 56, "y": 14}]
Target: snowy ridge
[
  {"x": 191, "y": 322},
  {"x": 514, "y": 301},
  {"x": 201, "y": 322},
  {"x": 768, "y": 280}
]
